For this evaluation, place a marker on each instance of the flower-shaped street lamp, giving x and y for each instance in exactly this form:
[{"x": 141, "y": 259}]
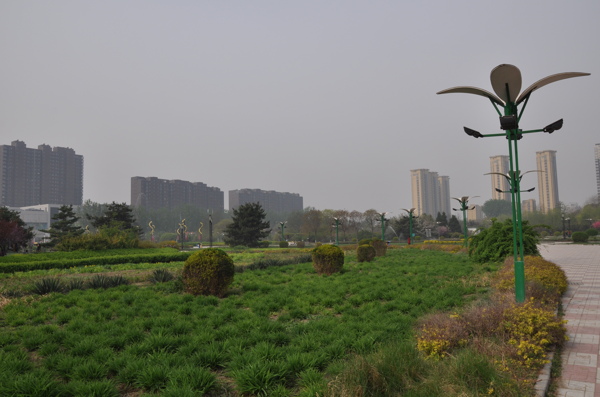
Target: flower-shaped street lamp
[
  {"x": 210, "y": 228},
  {"x": 382, "y": 220},
  {"x": 282, "y": 226},
  {"x": 506, "y": 83},
  {"x": 464, "y": 206},
  {"x": 336, "y": 223},
  {"x": 411, "y": 215}
]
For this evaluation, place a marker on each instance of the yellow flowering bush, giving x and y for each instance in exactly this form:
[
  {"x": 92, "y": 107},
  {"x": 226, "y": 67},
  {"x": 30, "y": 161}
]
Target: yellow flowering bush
[
  {"x": 447, "y": 242},
  {"x": 439, "y": 333},
  {"x": 437, "y": 245},
  {"x": 532, "y": 329},
  {"x": 545, "y": 280}
]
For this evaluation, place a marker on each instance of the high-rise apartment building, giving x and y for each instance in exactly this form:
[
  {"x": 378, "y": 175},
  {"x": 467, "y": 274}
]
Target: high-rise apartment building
[
  {"x": 597, "y": 158},
  {"x": 157, "y": 193},
  {"x": 271, "y": 201},
  {"x": 40, "y": 176},
  {"x": 547, "y": 180},
  {"x": 475, "y": 214},
  {"x": 500, "y": 165},
  {"x": 430, "y": 192},
  {"x": 528, "y": 205}
]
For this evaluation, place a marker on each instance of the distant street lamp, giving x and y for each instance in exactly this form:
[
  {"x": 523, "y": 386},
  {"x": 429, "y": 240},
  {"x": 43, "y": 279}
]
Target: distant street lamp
[
  {"x": 337, "y": 226},
  {"x": 564, "y": 220},
  {"x": 410, "y": 223},
  {"x": 210, "y": 228},
  {"x": 506, "y": 83},
  {"x": 464, "y": 206},
  {"x": 282, "y": 225},
  {"x": 382, "y": 220}
]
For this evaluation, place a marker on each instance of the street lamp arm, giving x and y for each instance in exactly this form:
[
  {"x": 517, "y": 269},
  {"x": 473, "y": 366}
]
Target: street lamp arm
[
  {"x": 499, "y": 173},
  {"x": 545, "y": 81},
  {"x": 474, "y": 91}
]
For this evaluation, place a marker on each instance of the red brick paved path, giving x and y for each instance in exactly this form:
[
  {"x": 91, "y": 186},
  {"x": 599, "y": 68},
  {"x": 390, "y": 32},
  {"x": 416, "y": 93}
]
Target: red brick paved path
[{"x": 580, "y": 369}]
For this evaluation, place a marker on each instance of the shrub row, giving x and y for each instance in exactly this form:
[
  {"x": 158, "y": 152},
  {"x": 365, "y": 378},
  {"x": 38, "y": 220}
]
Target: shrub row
[
  {"x": 94, "y": 261},
  {"x": 53, "y": 284}
]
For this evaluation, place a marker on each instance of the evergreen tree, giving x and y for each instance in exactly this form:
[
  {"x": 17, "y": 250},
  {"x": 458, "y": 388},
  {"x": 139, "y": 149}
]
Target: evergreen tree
[
  {"x": 442, "y": 219},
  {"x": 14, "y": 234},
  {"x": 495, "y": 243},
  {"x": 119, "y": 216},
  {"x": 248, "y": 226},
  {"x": 63, "y": 225},
  {"x": 495, "y": 208},
  {"x": 454, "y": 225}
]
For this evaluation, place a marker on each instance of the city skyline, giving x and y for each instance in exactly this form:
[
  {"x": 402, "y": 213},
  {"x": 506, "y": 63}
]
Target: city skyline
[{"x": 336, "y": 101}]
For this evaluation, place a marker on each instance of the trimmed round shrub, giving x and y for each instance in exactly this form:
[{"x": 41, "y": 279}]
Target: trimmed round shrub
[
  {"x": 365, "y": 253},
  {"x": 380, "y": 247},
  {"x": 300, "y": 244},
  {"x": 328, "y": 259},
  {"x": 592, "y": 232},
  {"x": 284, "y": 244},
  {"x": 208, "y": 272},
  {"x": 580, "y": 237}
]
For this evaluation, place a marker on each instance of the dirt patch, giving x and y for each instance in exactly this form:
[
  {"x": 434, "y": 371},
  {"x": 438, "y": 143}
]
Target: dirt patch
[{"x": 3, "y": 301}]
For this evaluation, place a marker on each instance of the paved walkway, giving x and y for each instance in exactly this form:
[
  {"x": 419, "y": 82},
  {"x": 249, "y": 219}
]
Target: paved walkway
[{"x": 581, "y": 303}]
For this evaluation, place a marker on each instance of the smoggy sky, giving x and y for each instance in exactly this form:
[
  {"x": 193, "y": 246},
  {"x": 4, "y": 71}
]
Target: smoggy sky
[{"x": 334, "y": 100}]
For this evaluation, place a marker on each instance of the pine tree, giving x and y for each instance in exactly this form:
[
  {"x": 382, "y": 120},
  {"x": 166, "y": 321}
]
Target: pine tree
[
  {"x": 118, "y": 216},
  {"x": 248, "y": 226},
  {"x": 454, "y": 225},
  {"x": 63, "y": 225}
]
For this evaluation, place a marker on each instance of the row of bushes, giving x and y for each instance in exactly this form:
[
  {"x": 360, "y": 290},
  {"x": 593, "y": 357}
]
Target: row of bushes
[
  {"x": 93, "y": 261},
  {"x": 54, "y": 284}
]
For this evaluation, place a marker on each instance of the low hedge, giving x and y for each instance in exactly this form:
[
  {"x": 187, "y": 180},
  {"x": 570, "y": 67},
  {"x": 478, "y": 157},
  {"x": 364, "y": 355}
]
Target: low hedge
[{"x": 93, "y": 261}]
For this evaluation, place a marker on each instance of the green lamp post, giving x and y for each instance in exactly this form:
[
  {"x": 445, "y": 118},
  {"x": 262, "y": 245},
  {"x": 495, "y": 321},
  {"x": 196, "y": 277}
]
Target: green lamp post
[
  {"x": 464, "y": 206},
  {"x": 506, "y": 83},
  {"x": 337, "y": 227},
  {"x": 382, "y": 220},
  {"x": 411, "y": 215},
  {"x": 282, "y": 226},
  {"x": 514, "y": 189}
]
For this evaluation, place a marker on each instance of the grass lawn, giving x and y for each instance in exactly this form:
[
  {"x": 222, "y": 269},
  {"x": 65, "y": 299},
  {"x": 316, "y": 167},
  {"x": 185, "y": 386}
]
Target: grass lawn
[{"x": 282, "y": 331}]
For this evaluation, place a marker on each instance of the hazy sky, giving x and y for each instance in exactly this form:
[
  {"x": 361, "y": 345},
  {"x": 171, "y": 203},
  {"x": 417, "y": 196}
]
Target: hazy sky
[{"x": 334, "y": 100}]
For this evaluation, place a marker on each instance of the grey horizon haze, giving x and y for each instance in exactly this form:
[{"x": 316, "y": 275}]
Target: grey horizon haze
[{"x": 334, "y": 100}]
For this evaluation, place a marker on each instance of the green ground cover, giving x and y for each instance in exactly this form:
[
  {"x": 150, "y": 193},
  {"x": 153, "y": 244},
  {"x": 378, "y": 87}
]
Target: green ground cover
[
  {"x": 280, "y": 331},
  {"x": 65, "y": 260}
]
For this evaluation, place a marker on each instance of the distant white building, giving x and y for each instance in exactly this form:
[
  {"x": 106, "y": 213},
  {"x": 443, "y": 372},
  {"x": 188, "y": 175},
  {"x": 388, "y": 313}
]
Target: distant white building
[{"x": 39, "y": 217}]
